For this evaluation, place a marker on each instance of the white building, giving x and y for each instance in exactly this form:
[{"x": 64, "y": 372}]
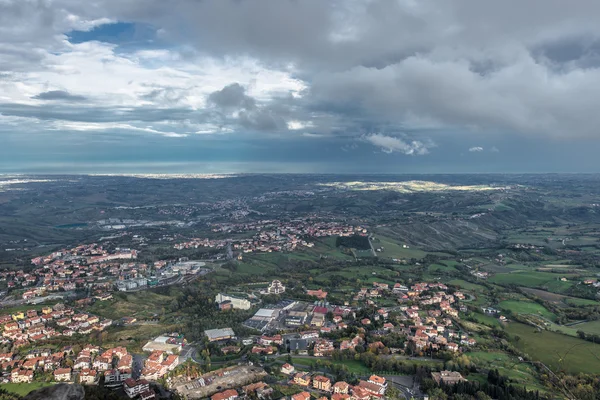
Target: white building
[
  {"x": 276, "y": 287},
  {"x": 236, "y": 302}
]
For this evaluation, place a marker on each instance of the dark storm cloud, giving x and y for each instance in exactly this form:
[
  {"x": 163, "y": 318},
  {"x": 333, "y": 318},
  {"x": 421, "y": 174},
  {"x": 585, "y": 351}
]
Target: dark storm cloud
[
  {"x": 232, "y": 96},
  {"x": 380, "y": 72},
  {"x": 59, "y": 95},
  {"x": 248, "y": 114}
]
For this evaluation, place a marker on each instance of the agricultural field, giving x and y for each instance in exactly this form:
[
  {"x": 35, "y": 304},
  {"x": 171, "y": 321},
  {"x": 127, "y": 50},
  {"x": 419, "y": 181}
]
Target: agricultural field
[
  {"x": 467, "y": 285},
  {"x": 533, "y": 279},
  {"x": 393, "y": 249},
  {"x": 557, "y": 351},
  {"x": 486, "y": 319},
  {"x": 441, "y": 268},
  {"x": 591, "y": 327},
  {"x": 526, "y": 307}
]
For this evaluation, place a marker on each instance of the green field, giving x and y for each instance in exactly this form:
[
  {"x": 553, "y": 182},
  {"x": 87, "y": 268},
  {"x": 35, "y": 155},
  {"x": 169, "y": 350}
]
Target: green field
[
  {"x": 392, "y": 249},
  {"x": 526, "y": 307},
  {"x": 581, "y": 302},
  {"x": 467, "y": 285},
  {"x": 24, "y": 388},
  {"x": 520, "y": 373},
  {"x": 142, "y": 305},
  {"x": 592, "y": 327},
  {"x": 486, "y": 319},
  {"x": 557, "y": 351},
  {"x": 441, "y": 268},
  {"x": 532, "y": 279}
]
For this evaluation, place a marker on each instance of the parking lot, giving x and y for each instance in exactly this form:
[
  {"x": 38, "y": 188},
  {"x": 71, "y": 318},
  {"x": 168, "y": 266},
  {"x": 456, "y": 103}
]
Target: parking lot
[{"x": 219, "y": 380}]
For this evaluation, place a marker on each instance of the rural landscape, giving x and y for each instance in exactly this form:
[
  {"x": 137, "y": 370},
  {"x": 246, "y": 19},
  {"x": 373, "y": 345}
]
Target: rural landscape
[{"x": 439, "y": 287}]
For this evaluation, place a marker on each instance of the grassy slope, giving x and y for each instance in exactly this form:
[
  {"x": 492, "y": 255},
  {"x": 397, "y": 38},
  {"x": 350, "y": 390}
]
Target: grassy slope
[
  {"x": 558, "y": 352},
  {"x": 24, "y": 388},
  {"x": 526, "y": 307}
]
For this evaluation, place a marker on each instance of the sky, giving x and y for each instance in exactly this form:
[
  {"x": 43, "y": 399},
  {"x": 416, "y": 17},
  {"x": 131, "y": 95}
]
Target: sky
[{"x": 372, "y": 86}]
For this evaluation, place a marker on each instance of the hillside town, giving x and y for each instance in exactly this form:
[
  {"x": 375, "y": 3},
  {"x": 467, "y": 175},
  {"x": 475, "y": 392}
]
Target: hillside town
[
  {"x": 273, "y": 236},
  {"x": 95, "y": 269},
  {"x": 425, "y": 320}
]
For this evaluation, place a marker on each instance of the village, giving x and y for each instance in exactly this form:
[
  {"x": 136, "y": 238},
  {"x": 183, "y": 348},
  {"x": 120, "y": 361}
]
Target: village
[
  {"x": 273, "y": 235},
  {"x": 426, "y": 320},
  {"x": 93, "y": 268}
]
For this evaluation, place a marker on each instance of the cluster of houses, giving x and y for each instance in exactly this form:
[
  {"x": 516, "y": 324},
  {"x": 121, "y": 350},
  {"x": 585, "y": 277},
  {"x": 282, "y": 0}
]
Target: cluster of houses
[
  {"x": 88, "y": 266},
  {"x": 87, "y": 367},
  {"x": 84, "y": 367},
  {"x": 315, "y": 386},
  {"x": 374, "y": 387},
  {"x": 158, "y": 364},
  {"x": 24, "y": 327},
  {"x": 427, "y": 315},
  {"x": 273, "y": 235}
]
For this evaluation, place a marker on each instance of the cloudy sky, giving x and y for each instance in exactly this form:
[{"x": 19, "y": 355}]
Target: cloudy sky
[{"x": 299, "y": 86}]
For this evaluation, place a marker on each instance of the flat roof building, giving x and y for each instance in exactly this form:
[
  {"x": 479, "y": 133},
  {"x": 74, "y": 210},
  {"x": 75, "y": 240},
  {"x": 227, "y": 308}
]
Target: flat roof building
[{"x": 214, "y": 335}]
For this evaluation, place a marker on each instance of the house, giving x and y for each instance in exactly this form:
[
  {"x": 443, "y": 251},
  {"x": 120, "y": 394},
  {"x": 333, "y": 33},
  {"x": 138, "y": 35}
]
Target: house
[
  {"x": 170, "y": 362},
  {"x": 319, "y": 294},
  {"x": 447, "y": 377},
  {"x": 302, "y": 379},
  {"x": 82, "y": 363},
  {"x": 301, "y": 396},
  {"x": 341, "y": 387},
  {"x": 125, "y": 361},
  {"x": 116, "y": 375},
  {"x": 253, "y": 387},
  {"x": 323, "y": 348},
  {"x": 287, "y": 369},
  {"x": 359, "y": 393},
  {"x": 21, "y": 376},
  {"x": 372, "y": 388},
  {"x": 378, "y": 380},
  {"x": 340, "y": 396},
  {"x": 322, "y": 383},
  {"x": 230, "y": 394},
  {"x": 102, "y": 363},
  {"x": 87, "y": 376},
  {"x": 133, "y": 387},
  {"x": 269, "y": 340},
  {"x": 62, "y": 374},
  {"x": 452, "y": 347}
]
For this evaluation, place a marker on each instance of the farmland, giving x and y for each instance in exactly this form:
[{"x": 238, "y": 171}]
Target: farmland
[
  {"x": 526, "y": 307},
  {"x": 558, "y": 352},
  {"x": 592, "y": 327}
]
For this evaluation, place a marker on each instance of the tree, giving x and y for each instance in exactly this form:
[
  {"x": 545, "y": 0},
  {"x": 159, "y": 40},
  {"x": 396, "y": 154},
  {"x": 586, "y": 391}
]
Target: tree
[{"x": 437, "y": 394}]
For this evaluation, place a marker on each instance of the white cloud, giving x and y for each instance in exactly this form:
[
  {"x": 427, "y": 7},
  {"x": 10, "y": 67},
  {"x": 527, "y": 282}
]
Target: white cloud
[
  {"x": 295, "y": 125},
  {"x": 470, "y": 65},
  {"x": 159, "y": 79},
  {"x": 476, "y": 149},
  {"x": 494, "y": 149},
  {"x": 391, "y": 144}
]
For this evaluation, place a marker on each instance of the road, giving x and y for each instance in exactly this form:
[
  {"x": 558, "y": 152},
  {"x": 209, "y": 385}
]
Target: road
[
  {"x": 137, "y": 365},
  {"x": 187, "y": 353},
  {"x": 406, "y": 384}
]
